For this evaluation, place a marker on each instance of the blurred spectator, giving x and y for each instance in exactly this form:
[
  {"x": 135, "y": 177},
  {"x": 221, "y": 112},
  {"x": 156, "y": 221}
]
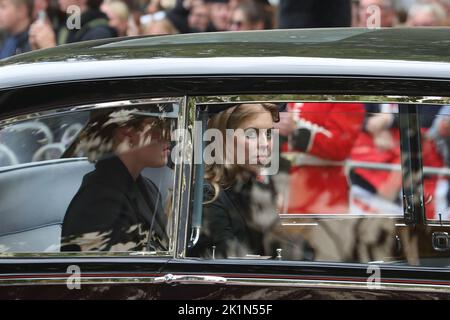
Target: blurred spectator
[
  {"x": 133, "y": 27},
  {"x": 446, "y": 5},
  {"x": 247, "y": 16},
  {"x": 427, "y": 15},
  {"x": 402, "y": 16},
  {"x": 2, "y": 37},
  {"x": 39, "y": 6},
  {"x": 154, "y": 6},
  {"x": 94, "y": 25},
  {"x": 388, "y": 15},
  {"x": 219, "y": 14},
  {"x": 118, "y": 15},
  {"x": 179, "y": 15},
  {"x": 198, "y": 18},
  {"x": 355, "y": 13},
  {"x": 314, "y": 14},
  {"x": 160, "y": 26},
  {"x": 15, "y": 19},
  {"x": 250, "y": 15},
  {"x": 137, "y": 8},
  {"x": 379, "y": 191}
]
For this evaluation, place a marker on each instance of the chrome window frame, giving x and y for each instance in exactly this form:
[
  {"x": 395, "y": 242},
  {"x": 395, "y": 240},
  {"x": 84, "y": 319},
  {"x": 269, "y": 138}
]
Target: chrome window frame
[
  {"x": 279, "y": 98},
  {"x": 199, "y": 101}
]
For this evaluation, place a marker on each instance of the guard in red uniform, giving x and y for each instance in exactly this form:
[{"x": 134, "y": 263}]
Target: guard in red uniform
[{"x": 320, "y": 138}]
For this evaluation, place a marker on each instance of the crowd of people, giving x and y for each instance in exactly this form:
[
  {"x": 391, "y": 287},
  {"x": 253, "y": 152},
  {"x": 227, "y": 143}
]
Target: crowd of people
[{"x": 35, "y": 24}]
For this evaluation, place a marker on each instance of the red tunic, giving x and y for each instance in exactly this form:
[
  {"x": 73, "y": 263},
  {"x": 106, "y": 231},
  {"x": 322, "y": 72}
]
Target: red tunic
[
  {"x": 324, "y": 189},
  {"x": 365, "y": 150}
]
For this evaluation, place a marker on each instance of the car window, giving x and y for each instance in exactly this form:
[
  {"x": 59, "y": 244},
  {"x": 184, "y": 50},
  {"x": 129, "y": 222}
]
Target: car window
[
  {"x": 100, "y": 180},
  {"x": 435, "y": 143},
  {"x": 332, "y": 188}
]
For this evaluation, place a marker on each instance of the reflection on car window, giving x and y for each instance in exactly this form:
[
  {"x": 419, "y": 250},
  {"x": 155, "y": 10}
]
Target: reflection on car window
[
  {"x": 374, "y": 190},
  {"x": 240, "y": 200},
  {"x": 109, "y": 189},
  {"x": 435, "y": 138},
  {"x": 319, "y": 138},
  {"x": 116, "y": 208},
  {"x": 40, "y": 139},
  {"x": 239, "y": 213},
  {"x": 335, "y": 194}
]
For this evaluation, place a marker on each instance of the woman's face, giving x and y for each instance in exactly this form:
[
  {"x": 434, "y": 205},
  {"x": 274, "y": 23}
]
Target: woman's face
[{"x": 256, "y": 140}]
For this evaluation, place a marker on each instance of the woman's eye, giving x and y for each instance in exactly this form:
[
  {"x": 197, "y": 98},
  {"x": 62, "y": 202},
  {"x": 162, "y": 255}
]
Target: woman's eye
[{"x": 251, "y": 134}]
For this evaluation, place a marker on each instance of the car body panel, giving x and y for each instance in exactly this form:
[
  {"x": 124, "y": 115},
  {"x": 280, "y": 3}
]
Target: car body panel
[
  {"x": 136, "y": 278},
  {"x": 350, "y": 52}
]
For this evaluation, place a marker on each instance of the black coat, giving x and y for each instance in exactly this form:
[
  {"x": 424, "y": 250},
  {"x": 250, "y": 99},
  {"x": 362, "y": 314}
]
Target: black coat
[
  {"x": 229, "y": 222},
  {"x": 113, "y": 212},
  {"x": 243, "y": 220}
]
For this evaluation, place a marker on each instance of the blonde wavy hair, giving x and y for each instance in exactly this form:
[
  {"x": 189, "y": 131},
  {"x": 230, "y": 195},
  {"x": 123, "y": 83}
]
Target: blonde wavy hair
[{"x": 223, "y": 174}]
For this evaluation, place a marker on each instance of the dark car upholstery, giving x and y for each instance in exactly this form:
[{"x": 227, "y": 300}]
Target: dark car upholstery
[{"x": 34, "y": 198}]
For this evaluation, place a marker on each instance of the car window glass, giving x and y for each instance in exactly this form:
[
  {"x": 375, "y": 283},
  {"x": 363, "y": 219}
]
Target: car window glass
[
  {"x": 331, "y": 191},
  {"x": 435, "y": 143},
  {"x": 108, "y": 188},
  {"x": 39, "y": 139}
]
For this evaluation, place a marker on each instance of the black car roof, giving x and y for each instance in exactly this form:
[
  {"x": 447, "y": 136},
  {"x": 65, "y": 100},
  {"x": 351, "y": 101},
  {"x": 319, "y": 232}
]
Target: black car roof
[{"x": 393, "y": 52}]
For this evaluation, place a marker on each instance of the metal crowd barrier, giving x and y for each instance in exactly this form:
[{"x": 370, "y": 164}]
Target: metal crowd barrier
[{"x": 300, "y": 159}]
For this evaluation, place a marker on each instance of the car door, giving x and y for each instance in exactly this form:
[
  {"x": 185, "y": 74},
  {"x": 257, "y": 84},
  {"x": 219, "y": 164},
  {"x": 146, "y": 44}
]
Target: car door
[
  {"x": 350, "y": 250},
  {"x": 351, "y": 201}
]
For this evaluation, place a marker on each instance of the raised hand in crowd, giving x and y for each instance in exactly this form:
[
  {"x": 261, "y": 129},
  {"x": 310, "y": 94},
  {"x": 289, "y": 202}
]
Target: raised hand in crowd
[{"x": 41, "y": 35}]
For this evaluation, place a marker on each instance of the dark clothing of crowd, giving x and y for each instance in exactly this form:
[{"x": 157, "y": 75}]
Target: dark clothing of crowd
[{"x": 314, "y": 14}]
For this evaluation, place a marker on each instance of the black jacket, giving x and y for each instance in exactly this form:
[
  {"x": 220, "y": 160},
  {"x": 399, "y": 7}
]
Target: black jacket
[
  {"x": 230, "y": 224},
  {"x": 113, "y": 212},
  {"x": 243, "y": 220}
]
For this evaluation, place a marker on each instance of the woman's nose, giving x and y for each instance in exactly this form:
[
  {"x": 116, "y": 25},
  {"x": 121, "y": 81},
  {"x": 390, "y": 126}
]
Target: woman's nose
[{"x": 263, "y": 142}]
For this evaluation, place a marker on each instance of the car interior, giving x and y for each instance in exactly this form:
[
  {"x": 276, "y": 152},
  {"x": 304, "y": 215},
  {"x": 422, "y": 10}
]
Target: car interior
[
  {"x": 35, "y": 197},
  {"x": 39, "y": 178}
]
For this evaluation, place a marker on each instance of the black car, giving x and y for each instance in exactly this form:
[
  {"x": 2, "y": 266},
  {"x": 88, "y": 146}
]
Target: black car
[{"x": 358, "y": 179}]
